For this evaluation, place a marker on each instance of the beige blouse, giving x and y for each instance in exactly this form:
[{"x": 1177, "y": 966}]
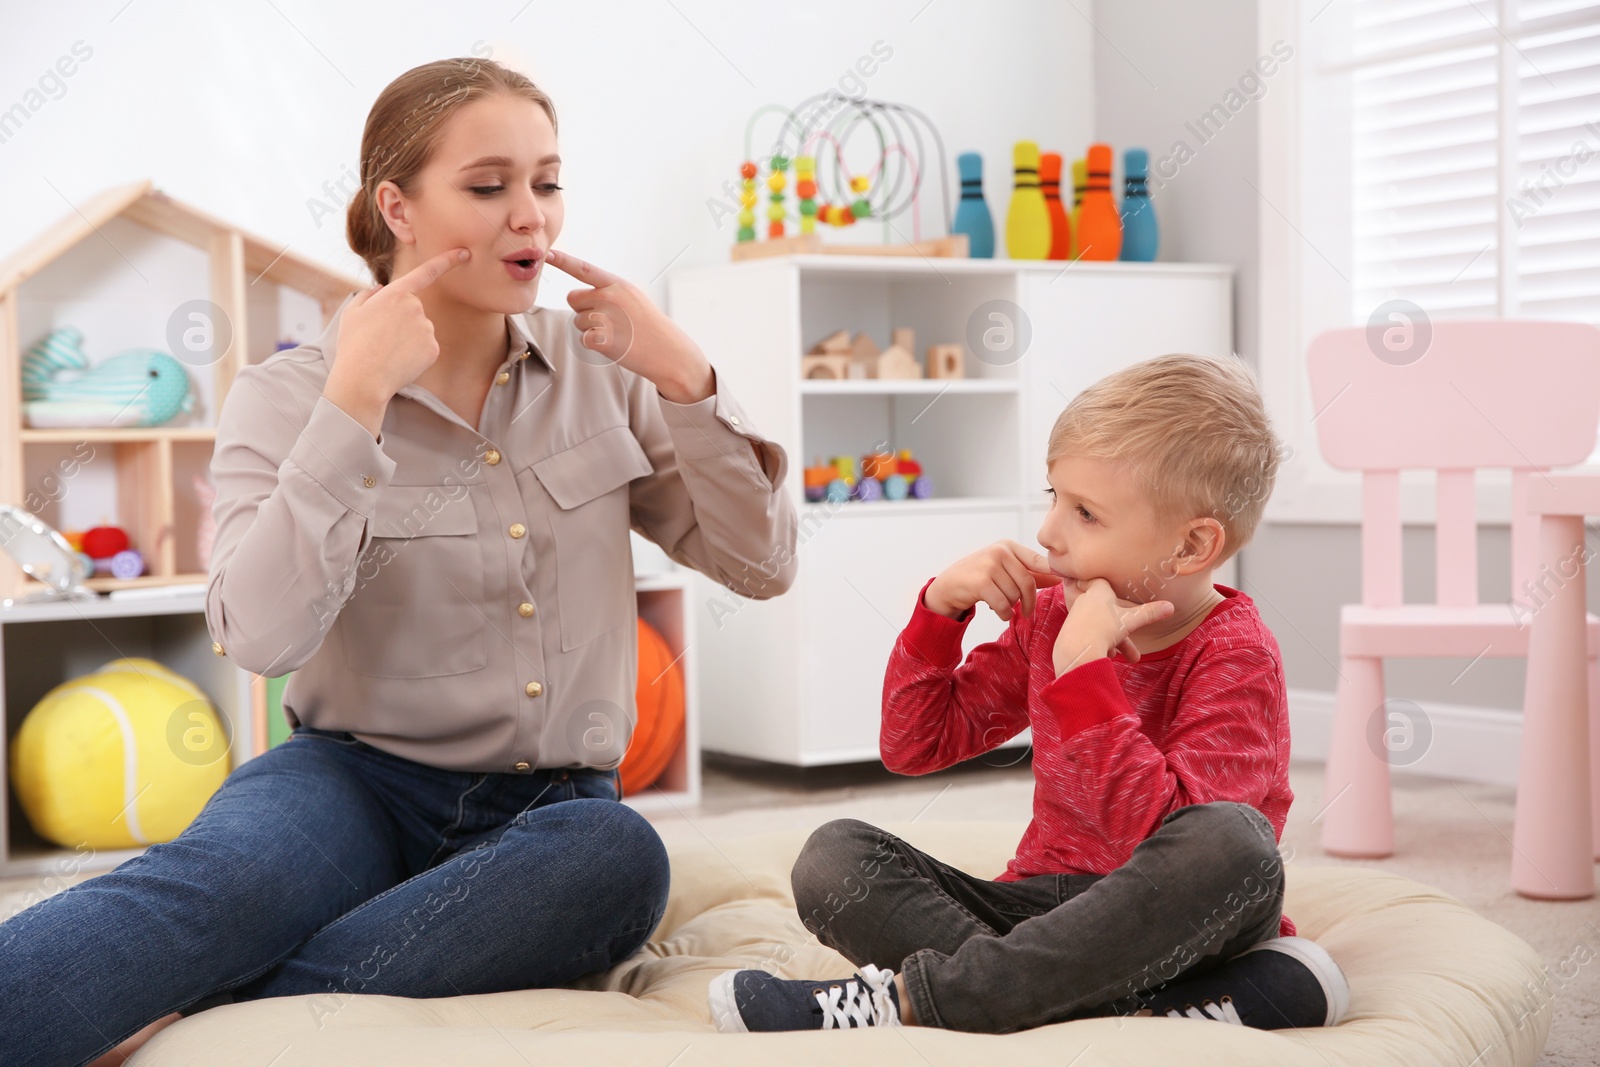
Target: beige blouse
[{"x": 463, "y": 596}]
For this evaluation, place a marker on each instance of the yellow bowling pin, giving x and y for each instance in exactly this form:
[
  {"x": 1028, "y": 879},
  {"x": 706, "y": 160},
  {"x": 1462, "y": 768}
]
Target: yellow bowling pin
[
  {"x": 1027, "y": 217},
  {"x": 1080, "y": 182}
]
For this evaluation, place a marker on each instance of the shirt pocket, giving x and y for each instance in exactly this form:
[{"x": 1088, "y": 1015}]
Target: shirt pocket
[
  {"x": 421, "y": 577},
  {"x": 590, "y": 527}
]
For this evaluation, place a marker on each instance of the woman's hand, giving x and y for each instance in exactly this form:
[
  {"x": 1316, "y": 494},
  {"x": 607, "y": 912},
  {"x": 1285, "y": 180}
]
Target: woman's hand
[
  {"x": 621, "y": 325},
  {"x": 999, "y": 575},
  {"x": 386, "y": 340}
]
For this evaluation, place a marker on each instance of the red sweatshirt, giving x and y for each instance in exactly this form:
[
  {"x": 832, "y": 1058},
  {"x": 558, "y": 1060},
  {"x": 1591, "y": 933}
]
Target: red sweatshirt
[{"x": 1117, "y": 746}]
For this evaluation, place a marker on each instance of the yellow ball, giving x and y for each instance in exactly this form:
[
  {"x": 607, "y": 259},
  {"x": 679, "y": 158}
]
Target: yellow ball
[
  {"x": 747, "y": 199},
  {"x": 747, "y": 217},
  {"x": 777, "y": 181},
  {"x": 124, "y": 757},
  {"x": 859, "y": 183}
]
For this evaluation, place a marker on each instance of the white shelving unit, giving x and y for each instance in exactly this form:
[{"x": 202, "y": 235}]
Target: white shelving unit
[
  {"x": 799, "y": 679},
  {"x": 43, "y": 645}
]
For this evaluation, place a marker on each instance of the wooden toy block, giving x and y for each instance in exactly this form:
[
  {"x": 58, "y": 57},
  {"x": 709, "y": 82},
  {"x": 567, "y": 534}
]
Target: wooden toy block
[
  {"x": 864, "y": 347},
  {"x": 825, "y": 366},
  {"x": 896, "y": 362},
  {"x": 833, "y": 344},
  {"x": 946, "y": 361}
]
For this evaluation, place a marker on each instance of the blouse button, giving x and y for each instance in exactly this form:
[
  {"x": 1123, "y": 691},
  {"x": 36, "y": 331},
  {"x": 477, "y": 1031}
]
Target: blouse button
[
  {"x": 517, "y": 529},
  {"x": 734, "y": 419},
  {"x": 520, "y": 765},
  {"x": 502, "y": 378},
  {"x": 492, "y": 457},
  {"x": 533, "y": 689},
  {"x": 525, "y": 609},
  {"x": 369, "y": 481}
]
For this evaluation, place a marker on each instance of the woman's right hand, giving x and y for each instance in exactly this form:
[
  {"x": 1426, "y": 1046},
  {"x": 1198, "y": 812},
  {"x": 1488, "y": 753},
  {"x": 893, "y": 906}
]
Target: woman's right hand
[
  {"x": 386, "y": 341},
  {"x": 999, "y": 575}
]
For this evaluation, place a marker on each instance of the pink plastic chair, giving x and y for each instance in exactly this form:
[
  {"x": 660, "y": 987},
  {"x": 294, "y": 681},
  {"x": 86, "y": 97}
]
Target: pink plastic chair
[{"x": 1523, "y": 395}]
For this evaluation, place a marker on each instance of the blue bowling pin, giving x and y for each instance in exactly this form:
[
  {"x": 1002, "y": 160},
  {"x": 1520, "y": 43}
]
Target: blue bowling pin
[
  {"x": 1139, "y": 234},
  {"x": 972, "y": 213}
]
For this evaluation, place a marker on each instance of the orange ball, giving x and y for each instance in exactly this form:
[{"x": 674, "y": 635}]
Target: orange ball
[
  {"x": 805, "y": 187},
  {"x": 747, "y": 170},
  {"x": 660, "y": 698}
]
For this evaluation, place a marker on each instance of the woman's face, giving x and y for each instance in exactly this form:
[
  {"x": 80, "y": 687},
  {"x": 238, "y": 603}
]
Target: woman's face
[{"x": 491, "y": 186}]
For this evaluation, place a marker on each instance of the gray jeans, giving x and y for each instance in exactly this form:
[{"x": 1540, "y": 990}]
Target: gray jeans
[{"x": 995, "y": 957}]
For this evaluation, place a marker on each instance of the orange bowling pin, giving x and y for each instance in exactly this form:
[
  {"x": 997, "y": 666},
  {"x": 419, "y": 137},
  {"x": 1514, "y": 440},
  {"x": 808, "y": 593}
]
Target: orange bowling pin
[
  {"x": 1060, "y": 225},
  {"x": 1099, "y": 229}
]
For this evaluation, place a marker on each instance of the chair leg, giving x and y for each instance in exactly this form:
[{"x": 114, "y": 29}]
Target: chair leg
[
  {"x": 1357, "y": 816},
  {"x": 1594, "y": 752}
]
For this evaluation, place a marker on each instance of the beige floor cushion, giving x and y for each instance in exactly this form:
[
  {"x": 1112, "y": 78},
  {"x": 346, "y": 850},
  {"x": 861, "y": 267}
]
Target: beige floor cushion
[{"x": 1431, "y": 982}]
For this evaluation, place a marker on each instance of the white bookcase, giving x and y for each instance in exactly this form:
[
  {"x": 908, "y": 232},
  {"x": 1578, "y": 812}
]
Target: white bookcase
[
  {"x": 798, "y": 679},
  {"x": 43, "y": 645}
]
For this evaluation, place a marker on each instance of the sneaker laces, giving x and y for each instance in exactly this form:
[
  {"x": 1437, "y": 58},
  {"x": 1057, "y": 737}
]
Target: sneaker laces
[
  {"x": 867, "y": 1003},
  {"x": 1221, "y": 1013}
]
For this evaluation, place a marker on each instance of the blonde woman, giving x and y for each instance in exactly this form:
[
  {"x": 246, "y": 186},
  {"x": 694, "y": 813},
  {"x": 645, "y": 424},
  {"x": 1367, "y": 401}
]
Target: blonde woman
[{"x": 425, "y": 514}]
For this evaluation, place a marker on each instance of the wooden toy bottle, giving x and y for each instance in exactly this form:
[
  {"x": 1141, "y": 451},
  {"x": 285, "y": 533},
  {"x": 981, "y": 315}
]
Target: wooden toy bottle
[
  {"x": 1100, "y": 227},
  {"x": 1060, "y": 225},
  {"x": 1139, "y": 234},
  {"x": 1080, "y": 181},
  {"x": 1027, "y": 219},
  {"x": 972, "y": 212}
]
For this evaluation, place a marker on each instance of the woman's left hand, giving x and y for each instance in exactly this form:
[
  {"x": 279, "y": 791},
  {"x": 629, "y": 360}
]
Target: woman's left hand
[{"x": 620, "y": 324}]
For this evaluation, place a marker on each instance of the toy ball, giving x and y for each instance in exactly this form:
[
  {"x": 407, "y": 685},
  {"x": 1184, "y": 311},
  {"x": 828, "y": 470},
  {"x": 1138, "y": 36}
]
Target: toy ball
[
  {"x": 120, "y": 758},
  {"x": 660, "y": 699},
  {"x": 896, "y": 487},
  {"x": 127, "y": 564},
  {"x": 103, "y": 542},
  {"x": 922, "y": 488},
  {"x": 868, "y": 489},
  {"x": 838, "y": 491}
]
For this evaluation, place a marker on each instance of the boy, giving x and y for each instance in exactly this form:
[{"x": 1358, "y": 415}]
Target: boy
[{"x": 1149, "y": 880}]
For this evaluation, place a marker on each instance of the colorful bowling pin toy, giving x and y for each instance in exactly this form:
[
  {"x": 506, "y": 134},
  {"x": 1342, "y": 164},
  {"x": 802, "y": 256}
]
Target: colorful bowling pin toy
[
  {"x": 1099, "y": 228},
  {"x": 1139, "y": 235},
  {"x": 1080, "y": 182},
  {"x": 1027, "y": 218},
  {"x": 1060, "y": 225},
  {"x": 972, "y": 213}
]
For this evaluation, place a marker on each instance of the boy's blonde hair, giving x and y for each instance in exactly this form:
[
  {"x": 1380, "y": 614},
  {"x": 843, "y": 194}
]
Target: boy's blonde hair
[{"x": 1193, "y": 431}]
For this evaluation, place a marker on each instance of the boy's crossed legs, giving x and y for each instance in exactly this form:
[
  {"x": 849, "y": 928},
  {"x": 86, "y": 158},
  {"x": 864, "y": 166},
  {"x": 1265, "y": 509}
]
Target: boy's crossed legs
[{"x": 996, "y": 957}]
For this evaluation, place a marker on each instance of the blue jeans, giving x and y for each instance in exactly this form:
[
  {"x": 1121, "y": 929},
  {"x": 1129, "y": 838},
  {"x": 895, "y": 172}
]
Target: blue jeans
[
  {"x": 328, "y": 866},
  {"x": 996, "y": 957}
]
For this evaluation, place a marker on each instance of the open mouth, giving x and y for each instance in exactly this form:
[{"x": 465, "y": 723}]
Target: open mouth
[{"x": 523, "y": 264}]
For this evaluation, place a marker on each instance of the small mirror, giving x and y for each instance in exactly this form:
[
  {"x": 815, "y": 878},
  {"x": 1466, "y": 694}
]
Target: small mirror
[{"x": 44, "y": 554}]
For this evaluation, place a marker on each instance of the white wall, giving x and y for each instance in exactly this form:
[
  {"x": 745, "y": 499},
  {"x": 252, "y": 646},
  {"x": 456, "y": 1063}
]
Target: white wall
[{"x": 248, "y": 110}]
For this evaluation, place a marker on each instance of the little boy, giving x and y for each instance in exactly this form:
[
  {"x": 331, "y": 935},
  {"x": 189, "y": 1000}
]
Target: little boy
[{"x": 1149, "y": 880}]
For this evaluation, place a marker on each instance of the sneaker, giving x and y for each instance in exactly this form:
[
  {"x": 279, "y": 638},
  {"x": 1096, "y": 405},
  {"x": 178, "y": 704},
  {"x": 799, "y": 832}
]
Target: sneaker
[
  {"x": 748, "y": 1000},
  {"x": 1278, "y": 984}
]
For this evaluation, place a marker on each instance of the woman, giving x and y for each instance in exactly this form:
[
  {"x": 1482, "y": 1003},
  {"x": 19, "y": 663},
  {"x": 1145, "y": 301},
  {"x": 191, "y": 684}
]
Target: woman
[{"x": 425, "y": 515}]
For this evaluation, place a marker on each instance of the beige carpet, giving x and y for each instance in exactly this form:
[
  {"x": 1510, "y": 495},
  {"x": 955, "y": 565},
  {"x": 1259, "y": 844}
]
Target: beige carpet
[{"x": 1454, "y": 836}]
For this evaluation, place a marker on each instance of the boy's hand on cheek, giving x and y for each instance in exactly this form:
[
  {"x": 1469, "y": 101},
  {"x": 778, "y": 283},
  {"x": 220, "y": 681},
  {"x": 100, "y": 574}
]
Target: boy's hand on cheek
[{"x": 1098, "y": 622}]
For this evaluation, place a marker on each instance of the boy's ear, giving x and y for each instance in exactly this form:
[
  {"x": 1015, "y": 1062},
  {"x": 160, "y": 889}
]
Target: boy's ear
[{"x": 1202, "y": 545}]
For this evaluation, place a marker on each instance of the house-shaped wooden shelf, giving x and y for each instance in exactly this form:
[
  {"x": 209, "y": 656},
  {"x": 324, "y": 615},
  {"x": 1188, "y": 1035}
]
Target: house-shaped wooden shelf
[{"x": 139, "y": 245}]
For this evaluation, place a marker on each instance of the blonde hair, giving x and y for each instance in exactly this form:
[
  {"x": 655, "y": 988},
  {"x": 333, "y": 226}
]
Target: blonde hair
[
  {"x": 403, "y": 128},
  {"x": 1194, "y": 431}
]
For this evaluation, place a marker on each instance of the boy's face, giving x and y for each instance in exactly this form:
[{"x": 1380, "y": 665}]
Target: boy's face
[{"x": 1101, "y": 525}]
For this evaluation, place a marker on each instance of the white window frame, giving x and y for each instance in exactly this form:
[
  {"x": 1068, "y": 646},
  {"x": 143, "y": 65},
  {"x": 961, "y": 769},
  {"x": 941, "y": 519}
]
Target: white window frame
[{"x": 1308, "y": 490}]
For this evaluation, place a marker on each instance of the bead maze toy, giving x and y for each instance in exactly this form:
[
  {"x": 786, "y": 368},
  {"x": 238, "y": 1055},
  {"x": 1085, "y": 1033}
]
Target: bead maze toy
[{"x": 813, "y": 138}]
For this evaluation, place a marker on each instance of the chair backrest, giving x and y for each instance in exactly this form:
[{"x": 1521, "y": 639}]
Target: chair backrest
[{"x": 1452, "y": 397}]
